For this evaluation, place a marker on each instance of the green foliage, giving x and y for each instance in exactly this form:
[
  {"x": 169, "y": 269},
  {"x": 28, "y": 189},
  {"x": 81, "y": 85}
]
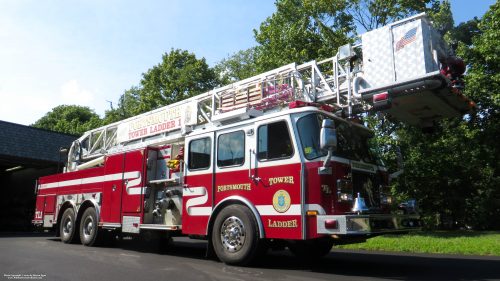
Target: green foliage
[
  {"x": 441, "y": 14},
  {"x": 454, "y": 173},
  {"x": 237, "y": 67},
  {"x": 443, "y": 242},
  {"x": 301, "y": 31},
  {"x": 483, "y": 59},
  {"x": 180, "y": 75},
  {"x": 372, "y": 14},
  {"x": 448, "y": 173},
  {"x": 71, "y": 119},
  {"x": 465, "y": 31},
  {"x": 128, "y": 105}
]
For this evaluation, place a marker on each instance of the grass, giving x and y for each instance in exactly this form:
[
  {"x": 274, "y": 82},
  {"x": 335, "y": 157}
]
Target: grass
[{"x": 444, "y": 242}]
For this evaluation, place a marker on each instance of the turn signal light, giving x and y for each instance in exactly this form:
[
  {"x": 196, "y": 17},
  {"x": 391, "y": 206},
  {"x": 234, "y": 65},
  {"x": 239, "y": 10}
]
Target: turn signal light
[
  {"x": 312, "y": 213},
  {"x": 331, "y": 224}
]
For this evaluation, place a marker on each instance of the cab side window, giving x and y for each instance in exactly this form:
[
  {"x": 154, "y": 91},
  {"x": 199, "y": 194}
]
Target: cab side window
[
  {"x": 199, "y": 154},
  {"x": 274, "y": 142},
  {"x": 231, "y": 149}
]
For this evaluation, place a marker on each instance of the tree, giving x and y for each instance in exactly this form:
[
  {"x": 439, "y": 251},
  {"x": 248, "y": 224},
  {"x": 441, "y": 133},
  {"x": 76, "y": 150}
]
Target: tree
[
  {"x": 180, "y": 75},
  {"x": 71, "y": 119},
  {"x": 128, "y": 105},
  {"x": 483, "y": 58},
  {"x": 237, "y": 67},
  {"x": 454, "y": 173},
  {"x": 301, "y": 31},
  {"x": 483, "y": 81},
  {"x": 372, "y": 14}
]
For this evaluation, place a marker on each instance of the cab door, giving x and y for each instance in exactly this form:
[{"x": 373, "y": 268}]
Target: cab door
[
  {"x": 278, "y": 170},
  {"x": 234, "y": 152}
]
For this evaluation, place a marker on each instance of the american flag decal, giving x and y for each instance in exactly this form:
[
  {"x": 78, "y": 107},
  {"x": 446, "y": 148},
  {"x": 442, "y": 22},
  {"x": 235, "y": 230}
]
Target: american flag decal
[{"x": 407, "y": 39}]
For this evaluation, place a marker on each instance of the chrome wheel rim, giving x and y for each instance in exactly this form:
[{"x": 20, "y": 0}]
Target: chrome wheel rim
[
  {"x": 88, "y": 227},
  {"x": 67, "y": 225},
  {"x": 233, "y": 234}
]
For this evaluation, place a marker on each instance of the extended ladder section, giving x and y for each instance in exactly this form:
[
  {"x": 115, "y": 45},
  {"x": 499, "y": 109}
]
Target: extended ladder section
[{"x": 404, "y": 70}]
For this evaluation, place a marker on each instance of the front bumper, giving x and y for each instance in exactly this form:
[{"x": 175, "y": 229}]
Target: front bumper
[{"x": 368, "y": 224}]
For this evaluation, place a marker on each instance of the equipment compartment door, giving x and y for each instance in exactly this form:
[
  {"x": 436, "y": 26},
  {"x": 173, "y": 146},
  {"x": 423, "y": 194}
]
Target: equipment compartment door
[
  {"x": 112, "y": 194},
  {"x": 49, "y": 203},
  {"x": 133, "y": 181},
  {"x": 40, "y": 202}
]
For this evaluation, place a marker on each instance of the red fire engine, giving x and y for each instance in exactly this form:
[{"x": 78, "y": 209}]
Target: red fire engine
[{"x": 280, "y": 156}]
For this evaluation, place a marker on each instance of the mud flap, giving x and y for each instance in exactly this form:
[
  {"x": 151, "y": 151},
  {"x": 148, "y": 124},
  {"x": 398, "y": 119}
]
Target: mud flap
[{"x": 210, "y": 249}]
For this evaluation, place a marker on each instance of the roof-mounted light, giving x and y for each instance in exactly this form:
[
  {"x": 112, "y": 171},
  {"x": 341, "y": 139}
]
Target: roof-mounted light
[{"x": 298, "y": 104}]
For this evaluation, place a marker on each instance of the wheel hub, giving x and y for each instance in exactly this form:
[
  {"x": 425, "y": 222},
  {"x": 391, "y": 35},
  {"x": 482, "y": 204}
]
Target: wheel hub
[
  {"x": 88, "y": 227},
  {"x": 67, "y": 226},
  {"x": 233, "y": 234}
]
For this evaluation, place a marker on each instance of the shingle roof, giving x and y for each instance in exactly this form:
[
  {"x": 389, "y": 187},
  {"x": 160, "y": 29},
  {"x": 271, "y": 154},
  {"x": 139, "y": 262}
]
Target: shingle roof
[{"x": 30, "y": 142}]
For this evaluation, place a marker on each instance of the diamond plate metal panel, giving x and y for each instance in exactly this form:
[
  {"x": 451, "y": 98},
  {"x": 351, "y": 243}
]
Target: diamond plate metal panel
[
  {"x": 128, "y": 224},
  {"x": 365, "y": 224},
  {"x": 429, "y": 42},
  {"x": 413, "y": 55},
  {"x": 48, "y": 221},
  {"x": 378, "y": 57},
  {"x": 392, "y": 54},
  {"x": 341, "y": 220}
]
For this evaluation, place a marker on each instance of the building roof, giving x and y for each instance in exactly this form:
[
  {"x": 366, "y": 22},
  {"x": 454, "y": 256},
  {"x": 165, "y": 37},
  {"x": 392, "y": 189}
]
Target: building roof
[{"x": 29, "y": 143}]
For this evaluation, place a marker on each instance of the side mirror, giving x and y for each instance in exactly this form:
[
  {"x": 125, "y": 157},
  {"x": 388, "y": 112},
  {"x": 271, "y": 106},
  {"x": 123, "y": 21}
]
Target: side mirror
[
  {"x": 399, "y": 156},
  {"x": 328, "y": 136}
]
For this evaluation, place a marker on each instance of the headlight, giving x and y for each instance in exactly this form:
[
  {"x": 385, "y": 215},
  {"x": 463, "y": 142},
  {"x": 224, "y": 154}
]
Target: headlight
[{"x": 345, "y": 197}]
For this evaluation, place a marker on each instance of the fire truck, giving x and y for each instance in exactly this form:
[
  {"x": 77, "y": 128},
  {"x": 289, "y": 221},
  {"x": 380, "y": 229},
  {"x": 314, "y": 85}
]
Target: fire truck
[{"x": 281, "y": 159}]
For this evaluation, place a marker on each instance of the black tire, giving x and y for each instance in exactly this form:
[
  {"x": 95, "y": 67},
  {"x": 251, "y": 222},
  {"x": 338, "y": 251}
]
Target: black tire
[
  {"x": 235, "y": 236},
  {"x": 310, "y": 249},
  {"x": 68, "y": 227},
  {"x": 90, "y": 234}
]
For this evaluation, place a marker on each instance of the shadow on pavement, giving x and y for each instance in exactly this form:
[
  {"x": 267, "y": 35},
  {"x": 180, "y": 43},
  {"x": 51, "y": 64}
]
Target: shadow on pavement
[
  {"x": 391, "y": 266},
  {"x": 27, "y": 234},
  {"x": 347, "y": 263}
]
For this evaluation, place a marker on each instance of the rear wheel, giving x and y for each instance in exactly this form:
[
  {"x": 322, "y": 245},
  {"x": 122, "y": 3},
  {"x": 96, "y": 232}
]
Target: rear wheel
[
  {"x": 235, "y": 235},
  {"x": 310, "y": 249},
  {"x": 67, "y": 227},
  {"x": 90, "y": 233}
]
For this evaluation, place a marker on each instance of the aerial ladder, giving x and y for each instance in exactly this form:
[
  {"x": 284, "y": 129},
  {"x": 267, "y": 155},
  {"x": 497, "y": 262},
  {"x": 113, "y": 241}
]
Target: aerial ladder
[{"x": 404, "y": 70}]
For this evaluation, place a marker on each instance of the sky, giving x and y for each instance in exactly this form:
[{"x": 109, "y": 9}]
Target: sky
[{"x": 89, "y": 52}]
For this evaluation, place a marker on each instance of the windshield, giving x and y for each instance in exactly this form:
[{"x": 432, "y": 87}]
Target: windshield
[{"x": 352, "y": 142}]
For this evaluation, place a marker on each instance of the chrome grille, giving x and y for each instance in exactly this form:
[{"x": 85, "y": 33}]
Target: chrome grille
[{"x": 366, "y": 183}]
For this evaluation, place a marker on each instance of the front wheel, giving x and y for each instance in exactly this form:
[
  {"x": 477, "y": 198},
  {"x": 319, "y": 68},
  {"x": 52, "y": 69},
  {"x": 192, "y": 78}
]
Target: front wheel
[
  {"x": 235, "y": 235},
  {"x": 89, "y": 230}
]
